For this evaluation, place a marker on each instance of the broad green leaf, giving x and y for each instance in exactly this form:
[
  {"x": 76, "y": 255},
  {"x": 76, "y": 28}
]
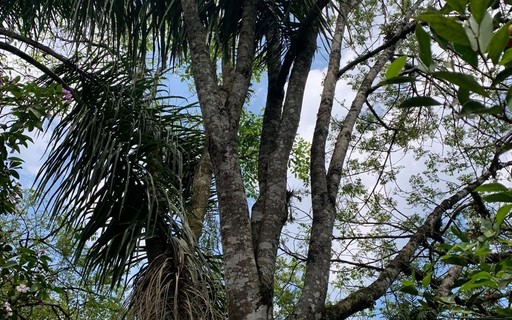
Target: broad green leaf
[
  {"x": 462, "y": 80},
  {"x": 506, "y": 147},
  {"x": 454, "y": 259},
  {"x": 471, "y": 107},
  {"x": 498, "y": 197},
  {"x": 482, "y": 252},
  {"x": 492, "y": 110},
  {"x": 491, "y": 187},
  {"x": 447, "y": 300},
  {"x": 425, "y": 52},
  {"x": 506, "y": 264},
  {"x": 458, "y": 5},
  {"x": 419, "y": 102},
  {"x": 498, "y": 43},
  {"x": 461, "y": 235},
  {"x": 501, "y": 214},
  {"x": 508, "y": 98},
  {"x": 9, "y": 264},
  {"x": 478, "y": 8},
  {"x": 485, "y": 30},
  {"x": 397, "y": 80},
  {"x": 482, "y": 275},
  {"x": 505, "y": 313},
  {"x": 427, "y": 279},
  {"x": 448, "y": 28},
  {"x": 507, "y": 57},
  {"x": 463, "y": 95},
  {"x": 395, "y": 67},
  {"x": 478, "y": 284},
  {"x": 409, "y": 289},
  {"x": 503, "y": 75},
  {"x": 467, "y": 53}
]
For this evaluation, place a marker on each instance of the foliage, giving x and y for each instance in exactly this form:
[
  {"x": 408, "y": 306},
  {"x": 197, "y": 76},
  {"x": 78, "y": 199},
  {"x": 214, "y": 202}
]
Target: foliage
[
  {"x": 396, "y": 217},
  {"x": 23, "y": 108},
  {"x": 38, "y": 278},
  {"x": 474, "y": 259}
]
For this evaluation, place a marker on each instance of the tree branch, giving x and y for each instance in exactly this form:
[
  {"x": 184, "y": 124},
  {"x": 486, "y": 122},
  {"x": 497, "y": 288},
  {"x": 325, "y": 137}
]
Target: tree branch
[{"x": 366, "y": 297}]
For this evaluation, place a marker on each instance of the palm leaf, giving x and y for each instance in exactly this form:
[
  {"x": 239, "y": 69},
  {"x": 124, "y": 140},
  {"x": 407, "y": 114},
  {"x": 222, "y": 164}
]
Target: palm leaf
[{"x": 118, "y": 168}]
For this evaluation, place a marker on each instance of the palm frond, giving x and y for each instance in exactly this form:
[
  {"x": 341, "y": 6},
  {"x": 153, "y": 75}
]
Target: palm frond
[
  {"x": 155, "y": 28},
  {"x": 119, "y": 170}
]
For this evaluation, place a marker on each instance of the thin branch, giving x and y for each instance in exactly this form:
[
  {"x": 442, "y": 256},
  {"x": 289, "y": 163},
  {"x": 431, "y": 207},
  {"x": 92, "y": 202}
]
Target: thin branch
[
  {"x": 409, "y": 28},
  {"x": 7, "y": 47},
  {"x": 367, "y": 296}
]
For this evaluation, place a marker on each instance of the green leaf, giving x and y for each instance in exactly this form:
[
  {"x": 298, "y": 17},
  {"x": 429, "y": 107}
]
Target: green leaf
[
  {"x": 10, "y": 264},
  {"x": 491, "y": 187},
  {"x": 501, "y": 214},
  {"x": 395, "y": 67},
  {"x": 489, "y": 233},
  {"x": 425, "y": 52},
  {"x": 462, "y": 80},
  {"x": 463, "y": 95},
  {"x": 471, "y": 107},
  {"x": 502, "y": 76},
  {"x": 461, "y": 235},
  {"x": 454, "y": 259},
  {"x": 419, "y": 102},
  {"x": 427, "y": 279},
  {"x": 448, "y": 28},
  {"x": 409, "y": 289},
  {"x": 467, "y": 53},
  {"x": 482, "y": 252},
  {"x": 506, "y": 313},
  {"x": 485, "y": 31},
  {"x": 397, "y": 80},
  {"x": 447, "y": 300},
  {"x": 498, "y": 197},
  {"x": 478, "y": 8},
  {"x": 498, "y": 43},
  {"x": 478, "y": 284},
  {"x": 507, "y": 58},
  {"x": 458, "y": 5}
]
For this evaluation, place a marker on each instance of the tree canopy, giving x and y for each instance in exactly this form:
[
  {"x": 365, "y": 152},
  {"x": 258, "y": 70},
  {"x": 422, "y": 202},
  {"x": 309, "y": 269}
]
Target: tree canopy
[{"x": 398, "y": 207}]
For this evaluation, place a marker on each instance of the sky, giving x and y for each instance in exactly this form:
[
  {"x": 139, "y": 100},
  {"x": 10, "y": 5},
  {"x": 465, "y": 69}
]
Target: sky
[{"x": 34, "y": 155}]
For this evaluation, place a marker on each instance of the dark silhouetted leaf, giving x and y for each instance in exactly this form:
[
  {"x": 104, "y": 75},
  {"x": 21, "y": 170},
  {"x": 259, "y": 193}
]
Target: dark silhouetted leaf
[
  {"x": 419, "y": 102},
  {"x": 498, "y": 43},
  {"x": 462, "y": 80},
  {"x": 425, "y": 51},
  {"x": 448, "y": 28},
  {"x": 458, "y": 5}
]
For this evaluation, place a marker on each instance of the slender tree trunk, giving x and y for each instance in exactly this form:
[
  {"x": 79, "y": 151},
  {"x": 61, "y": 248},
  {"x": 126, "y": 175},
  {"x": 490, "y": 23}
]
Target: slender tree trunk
[{"x": 221, "y": 121}]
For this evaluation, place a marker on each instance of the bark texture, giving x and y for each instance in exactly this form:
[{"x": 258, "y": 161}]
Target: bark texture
[
  {"x": 220, "y": 121},
  {"x": 311, "y": 303},
  {"x": 201, "y": 189}
]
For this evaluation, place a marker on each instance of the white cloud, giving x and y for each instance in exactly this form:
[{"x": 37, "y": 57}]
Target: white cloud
[
  {"x": 34, "y": 157},
  {"x": 312, "y": 98}
]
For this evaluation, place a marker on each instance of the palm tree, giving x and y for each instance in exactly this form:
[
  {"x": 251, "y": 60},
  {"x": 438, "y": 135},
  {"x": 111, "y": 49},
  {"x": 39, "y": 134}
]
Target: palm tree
[
  {"x": 129, "y": 160},
  {"x": 121, "y": 170},
  {"x": 123, "y": 163}
]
